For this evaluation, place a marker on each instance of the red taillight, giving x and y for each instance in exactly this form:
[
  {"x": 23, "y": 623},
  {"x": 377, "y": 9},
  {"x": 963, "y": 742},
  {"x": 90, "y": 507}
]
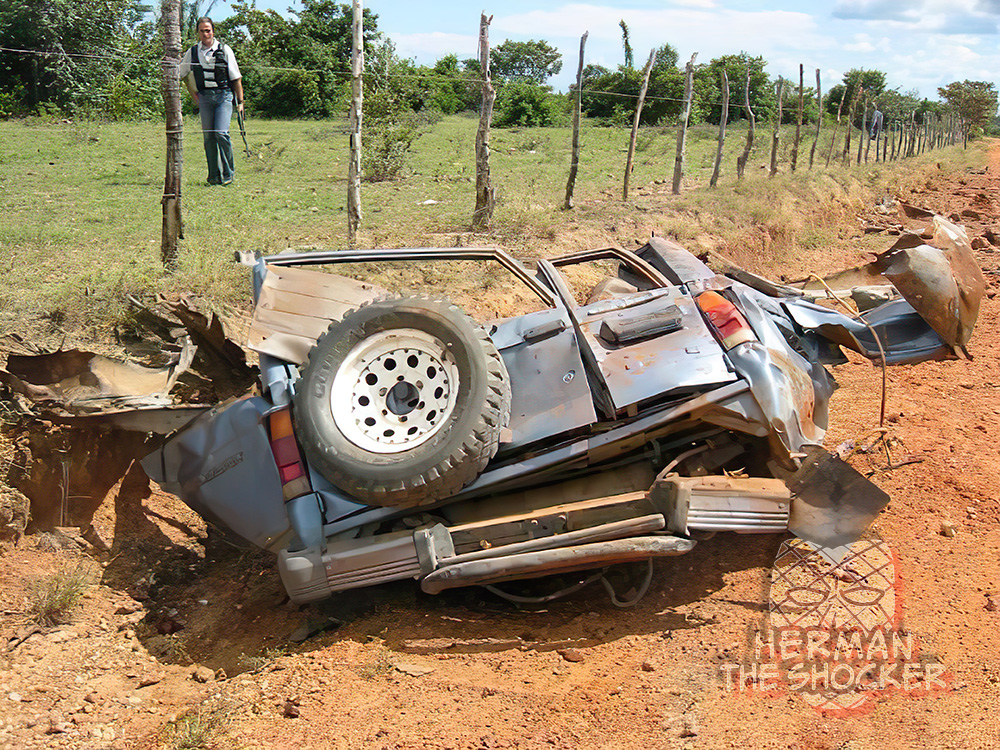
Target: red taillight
[
  {"x": 291, "y": 468},
  {"x": 728, "y": 322}
]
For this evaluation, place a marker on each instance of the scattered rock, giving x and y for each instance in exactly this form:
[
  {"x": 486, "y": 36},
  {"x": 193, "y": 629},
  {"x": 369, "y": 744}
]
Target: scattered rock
[
  {"x": 291, "y": 709},
  {"x": 947, "y": 529},
  {"x": 689, "y": 727},
  {"x": 991, "y": 604},
  {"x": 968, "y": 213},
  {"x": 202, "y": 674},
  {"x": 647, "y": 666},
  {"x": 980, "y": 243},
  {"x": 16, "y": 697},
  {"x": 571, "y": 654},
  {"x": 92, "y": 697},
  {"x": 129, "y": 608},
  {"x": 413, "y": 670}
]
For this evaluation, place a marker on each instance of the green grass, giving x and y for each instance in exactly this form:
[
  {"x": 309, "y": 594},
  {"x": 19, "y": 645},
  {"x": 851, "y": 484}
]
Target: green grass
[
  {"x": 81, "y": 208},
  {"x": 53, "y": 598}
]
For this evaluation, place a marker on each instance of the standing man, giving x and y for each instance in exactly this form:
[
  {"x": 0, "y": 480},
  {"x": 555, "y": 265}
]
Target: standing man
[{"x": 216, "y": 78}]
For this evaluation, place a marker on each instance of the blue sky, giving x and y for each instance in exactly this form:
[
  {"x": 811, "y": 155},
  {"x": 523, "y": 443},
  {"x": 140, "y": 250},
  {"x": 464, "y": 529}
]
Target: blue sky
[{"x": 919, "y": 44}]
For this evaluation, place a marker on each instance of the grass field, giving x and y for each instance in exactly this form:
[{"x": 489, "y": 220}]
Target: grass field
[{"x": 80, "y": 204}]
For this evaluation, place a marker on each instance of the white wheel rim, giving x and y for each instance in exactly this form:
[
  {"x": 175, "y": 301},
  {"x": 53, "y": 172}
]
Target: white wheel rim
[{"x": 394, "y": 391}]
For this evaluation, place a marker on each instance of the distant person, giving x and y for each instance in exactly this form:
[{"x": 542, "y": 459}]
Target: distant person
[
  {"x": 212, "y": 76},
  {"x": 878, "y": 122}
]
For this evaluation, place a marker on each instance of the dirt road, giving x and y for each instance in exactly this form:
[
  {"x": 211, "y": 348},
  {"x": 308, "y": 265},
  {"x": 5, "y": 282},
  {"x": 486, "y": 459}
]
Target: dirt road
[{"x": 466, "y": 671}]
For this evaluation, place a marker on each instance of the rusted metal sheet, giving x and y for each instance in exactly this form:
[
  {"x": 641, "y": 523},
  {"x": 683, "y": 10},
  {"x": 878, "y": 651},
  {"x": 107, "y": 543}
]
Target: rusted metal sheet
[
  {"x": 648, "y": 368},
  {"x": 549, "y": 562},
  {"x": 297, "y": 305},
  {"x": 939, "y": 276}
]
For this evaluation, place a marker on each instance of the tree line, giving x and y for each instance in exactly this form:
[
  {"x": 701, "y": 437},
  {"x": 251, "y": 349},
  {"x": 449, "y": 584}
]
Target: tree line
[{"x": 102, "y": 59}]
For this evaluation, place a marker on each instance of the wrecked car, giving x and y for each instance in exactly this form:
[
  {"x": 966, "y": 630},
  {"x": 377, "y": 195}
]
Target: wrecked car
[{"x": 397, "y": 438}]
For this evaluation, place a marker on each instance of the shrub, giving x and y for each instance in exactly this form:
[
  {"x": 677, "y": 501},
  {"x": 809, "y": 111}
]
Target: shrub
[
  {"x": 54, "y": 597},
  {"x": 526, "y": 104}
]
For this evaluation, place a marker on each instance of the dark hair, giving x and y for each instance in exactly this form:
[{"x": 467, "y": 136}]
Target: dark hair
[{"x": 202, "y": 20}]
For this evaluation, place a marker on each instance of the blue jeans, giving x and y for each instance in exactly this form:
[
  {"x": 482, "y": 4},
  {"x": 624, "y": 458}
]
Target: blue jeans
[{"x": 216, "y": 113}]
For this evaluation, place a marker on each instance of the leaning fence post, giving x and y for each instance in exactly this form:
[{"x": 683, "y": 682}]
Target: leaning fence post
[
  {"x": 819, "y": 118},
  {"x": 741, "y": 161},
  {"x": 482, "y": 217},
  {"x": 172, "y": 226},
  {"x": 357, "y": 93},
  {"x": 682, "y": 135},
  {"x": 635, "y": 121},
  {"x": 798, "y": 121},
  {"x": 861, "y": 135},
  {"x": 836, "y": 127},
  {"x": 574, "y": 159},
  {"x": 846, "y": 157},
  {"x": 722, "y": 128},
  {"x": 776, "y": 134}
]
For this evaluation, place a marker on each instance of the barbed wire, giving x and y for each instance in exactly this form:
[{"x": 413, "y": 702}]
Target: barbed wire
[{"x": 736, "y": 107}]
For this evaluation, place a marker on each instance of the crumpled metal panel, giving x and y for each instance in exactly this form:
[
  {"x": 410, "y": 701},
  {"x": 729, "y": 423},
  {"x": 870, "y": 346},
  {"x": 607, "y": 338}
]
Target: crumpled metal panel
[
  {"x": 221, "y": 466},
  {"x": 549, "y": 390},
  {"x": 688, "y": 359},
  {"x": 939, "y": 276},
  {"x": 793, "y": 392}
]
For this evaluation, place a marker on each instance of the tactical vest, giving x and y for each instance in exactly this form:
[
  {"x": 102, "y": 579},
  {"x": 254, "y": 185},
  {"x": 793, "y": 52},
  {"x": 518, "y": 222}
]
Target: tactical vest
[{"x": 216, "y": 77}]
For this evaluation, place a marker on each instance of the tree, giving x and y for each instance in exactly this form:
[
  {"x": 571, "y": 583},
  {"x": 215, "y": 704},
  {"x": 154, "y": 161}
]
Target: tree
[
  {"x": 974, "y": 101},
  {"x": 873, "y": 82},
  {"x": 69, "y": 40},
  {"x": 534, "y": 60},
  {"x": 299, "y": 66},
  {"x": 526, "y": 104},
  {"x": 708, "y": 91},
  {"x": 627, "y": 45}
]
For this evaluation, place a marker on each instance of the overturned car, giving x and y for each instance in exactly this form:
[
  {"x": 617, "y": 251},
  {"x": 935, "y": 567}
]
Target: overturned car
[{"x": 397, "y": 438}]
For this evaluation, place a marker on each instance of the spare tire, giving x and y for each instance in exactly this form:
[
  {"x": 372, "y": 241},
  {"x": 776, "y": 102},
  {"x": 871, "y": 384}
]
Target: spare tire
[{"x": 401, "y": 402}]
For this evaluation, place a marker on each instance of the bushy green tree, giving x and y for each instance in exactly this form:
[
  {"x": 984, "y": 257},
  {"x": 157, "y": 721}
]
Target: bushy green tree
[
  {"x": 77, "y": 57},
  {"x": 974, "y": 101},
  {"x": 526, "y": 104},
  {"x": 708, "y": 87},
  {"x": 316, "y": 41},
  {"x": 872, "y": 81},
  {"x": 534, "y": 60},
  {"x": 612, "y": 95}
]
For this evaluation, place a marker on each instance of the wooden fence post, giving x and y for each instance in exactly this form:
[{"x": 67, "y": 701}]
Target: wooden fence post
[
  {"x": 722, "y": 128},
  {"x": 776, "y": 133},
  {"x": 836, "y": 127},
  {"x": 741, "y": 160},
  {"x": 635, "y": 121},
  {"x": 819, "y": 118},
  {"x": 682, "y": 134},
  {"x": 867, "y": 133},
  {"x": 846, "y": 158},
  {"x": 357, "y": 96},
  {"x": 574, "y": 159},
  {"x": 864, "y": 128},
  {"x": 798, "y": 122},
  {"x": 482, "y": 217},
  {"x": 172, "y": 227}
]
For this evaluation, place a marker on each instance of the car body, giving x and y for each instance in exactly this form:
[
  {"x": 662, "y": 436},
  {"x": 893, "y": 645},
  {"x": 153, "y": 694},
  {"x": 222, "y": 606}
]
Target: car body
[{"x": 678, "y": 402}]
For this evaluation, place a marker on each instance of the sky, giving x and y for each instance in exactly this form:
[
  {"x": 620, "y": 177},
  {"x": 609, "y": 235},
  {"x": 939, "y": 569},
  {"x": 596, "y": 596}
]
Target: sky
[{"x": 919, "y": 44}]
